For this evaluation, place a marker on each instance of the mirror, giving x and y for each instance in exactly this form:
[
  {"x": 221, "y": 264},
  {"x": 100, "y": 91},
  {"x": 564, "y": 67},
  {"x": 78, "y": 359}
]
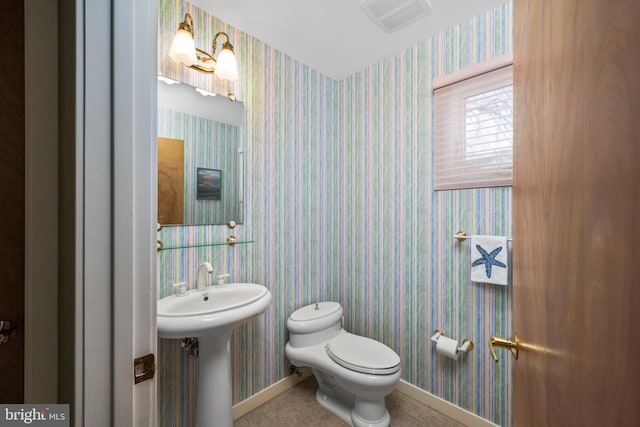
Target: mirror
[{"x": 200, "y": 163}]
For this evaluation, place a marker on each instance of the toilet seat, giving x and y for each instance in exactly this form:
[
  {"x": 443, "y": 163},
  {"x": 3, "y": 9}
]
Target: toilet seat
[{"x": 363, "y": 355}]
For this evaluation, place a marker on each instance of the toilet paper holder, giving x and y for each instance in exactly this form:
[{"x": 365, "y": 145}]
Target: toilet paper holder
[{"x": 467, "y": 344}]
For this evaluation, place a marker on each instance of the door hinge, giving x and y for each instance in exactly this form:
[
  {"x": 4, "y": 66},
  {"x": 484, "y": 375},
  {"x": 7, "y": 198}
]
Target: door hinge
[{"x": 144, "y": 368}]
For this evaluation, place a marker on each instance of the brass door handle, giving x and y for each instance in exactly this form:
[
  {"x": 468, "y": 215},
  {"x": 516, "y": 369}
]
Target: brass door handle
[
  {"x": 510, "y": 344},
  {"x": 7, "y": 331}
]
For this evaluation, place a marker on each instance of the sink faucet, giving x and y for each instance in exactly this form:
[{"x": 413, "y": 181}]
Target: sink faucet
[{"x": 204, "y": 270}]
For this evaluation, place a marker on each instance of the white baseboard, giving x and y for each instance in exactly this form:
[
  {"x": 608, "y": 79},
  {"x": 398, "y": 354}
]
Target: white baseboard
[
  {"x": 449, "y": 409},
  {"x": 463, "y": 416},
  {"x": 269, "y": 393}
]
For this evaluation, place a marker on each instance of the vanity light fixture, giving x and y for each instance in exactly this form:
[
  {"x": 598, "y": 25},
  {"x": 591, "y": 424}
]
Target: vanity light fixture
[{"x": 183, "y": 49}]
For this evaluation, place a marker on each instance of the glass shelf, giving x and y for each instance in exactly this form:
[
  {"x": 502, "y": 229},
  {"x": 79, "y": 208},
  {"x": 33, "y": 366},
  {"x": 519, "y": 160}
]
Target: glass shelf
[{"x": 202, "y": 245}]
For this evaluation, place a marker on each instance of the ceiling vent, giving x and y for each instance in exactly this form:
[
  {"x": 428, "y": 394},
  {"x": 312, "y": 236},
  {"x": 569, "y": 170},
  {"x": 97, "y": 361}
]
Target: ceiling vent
[{"x": 392, "y": 15}]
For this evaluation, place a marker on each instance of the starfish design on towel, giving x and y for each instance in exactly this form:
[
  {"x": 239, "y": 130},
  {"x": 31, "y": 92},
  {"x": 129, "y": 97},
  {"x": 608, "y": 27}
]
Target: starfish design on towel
[{"x": 488, "y": 259}]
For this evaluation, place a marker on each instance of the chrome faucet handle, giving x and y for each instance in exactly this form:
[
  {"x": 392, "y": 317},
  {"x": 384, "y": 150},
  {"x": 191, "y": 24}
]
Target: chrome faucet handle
[{"x": 221, "y": 277}]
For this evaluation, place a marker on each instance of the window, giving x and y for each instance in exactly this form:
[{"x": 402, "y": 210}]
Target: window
[{"x": 474, "y": 127}]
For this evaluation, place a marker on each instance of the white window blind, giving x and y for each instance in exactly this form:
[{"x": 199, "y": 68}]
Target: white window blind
[{"x": 474, "y": 131}]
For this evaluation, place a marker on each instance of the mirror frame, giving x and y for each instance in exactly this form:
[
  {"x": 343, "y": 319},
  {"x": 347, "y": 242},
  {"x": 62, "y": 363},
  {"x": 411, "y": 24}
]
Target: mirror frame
[{"x": 183, "y": 98}]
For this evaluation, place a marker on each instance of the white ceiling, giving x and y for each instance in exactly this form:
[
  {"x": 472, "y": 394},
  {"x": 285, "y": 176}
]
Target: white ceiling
[{"x": 335, "y": 37}]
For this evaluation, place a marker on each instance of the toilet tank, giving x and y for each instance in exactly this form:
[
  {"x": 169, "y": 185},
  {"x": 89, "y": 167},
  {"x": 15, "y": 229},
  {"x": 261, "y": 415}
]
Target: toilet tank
[{"x": 314, "y": 324}]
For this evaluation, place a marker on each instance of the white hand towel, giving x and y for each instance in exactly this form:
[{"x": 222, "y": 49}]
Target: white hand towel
[{"x": 489, "y": 260}]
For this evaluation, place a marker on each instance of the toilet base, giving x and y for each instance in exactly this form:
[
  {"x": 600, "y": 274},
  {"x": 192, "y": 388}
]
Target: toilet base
[
  {"x": 349, "y": 415},
  {"x": 355, "y": 411},
  {"x": 334, "y": 406},
  {"x": 364, "y": 410},
  {"x": 358, "y": 421}
]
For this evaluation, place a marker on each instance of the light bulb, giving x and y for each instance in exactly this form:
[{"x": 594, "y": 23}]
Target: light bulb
[
  {"x": 226, "y": 65},
  {"x": 183, "y": 48}
]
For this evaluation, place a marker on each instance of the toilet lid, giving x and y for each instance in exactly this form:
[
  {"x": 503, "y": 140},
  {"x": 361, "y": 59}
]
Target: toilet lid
[
  {"x": 363, "y": 354},
  {"x": 316, "y": 311}
]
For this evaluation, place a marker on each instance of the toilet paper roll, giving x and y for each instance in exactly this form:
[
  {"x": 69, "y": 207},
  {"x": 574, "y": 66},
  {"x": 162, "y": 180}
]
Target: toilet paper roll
[{"x": 447, "y": 347}]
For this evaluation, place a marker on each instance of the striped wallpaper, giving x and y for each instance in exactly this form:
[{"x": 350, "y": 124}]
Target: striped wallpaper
[{"x": 341, "y": 206}]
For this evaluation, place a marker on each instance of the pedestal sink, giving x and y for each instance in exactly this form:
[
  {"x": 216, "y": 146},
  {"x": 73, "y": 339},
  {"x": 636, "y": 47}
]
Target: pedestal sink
[{"x": 210, "y": 315}]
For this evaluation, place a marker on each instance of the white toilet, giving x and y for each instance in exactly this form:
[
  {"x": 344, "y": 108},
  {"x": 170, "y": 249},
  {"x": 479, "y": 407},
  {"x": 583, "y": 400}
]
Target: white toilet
[{"x": 354, "y": 373}]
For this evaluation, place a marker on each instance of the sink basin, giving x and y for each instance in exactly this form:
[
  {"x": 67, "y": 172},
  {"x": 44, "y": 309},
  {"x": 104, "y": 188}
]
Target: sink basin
[
  {"x": 210, "y": 315},
  {"x": 199, "y": 312}
]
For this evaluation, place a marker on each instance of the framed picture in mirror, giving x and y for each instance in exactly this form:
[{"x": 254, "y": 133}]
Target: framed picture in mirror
[{"x": 209, "y": 184}]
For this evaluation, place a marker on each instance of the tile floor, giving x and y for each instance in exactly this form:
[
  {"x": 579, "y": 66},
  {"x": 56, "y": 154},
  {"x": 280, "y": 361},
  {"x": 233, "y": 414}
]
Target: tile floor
[{"x": 297, "y": 407}]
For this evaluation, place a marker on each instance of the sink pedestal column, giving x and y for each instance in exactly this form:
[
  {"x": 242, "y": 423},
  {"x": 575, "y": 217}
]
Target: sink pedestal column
[{"x": 213, "y": 398}]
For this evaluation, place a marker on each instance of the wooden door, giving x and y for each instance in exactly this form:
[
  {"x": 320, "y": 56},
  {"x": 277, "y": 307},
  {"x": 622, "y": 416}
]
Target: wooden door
[
  {"x": 577, "y": 213},
  {"x": 170, "y": 181},
  {"x": 12, "y": 210}
]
